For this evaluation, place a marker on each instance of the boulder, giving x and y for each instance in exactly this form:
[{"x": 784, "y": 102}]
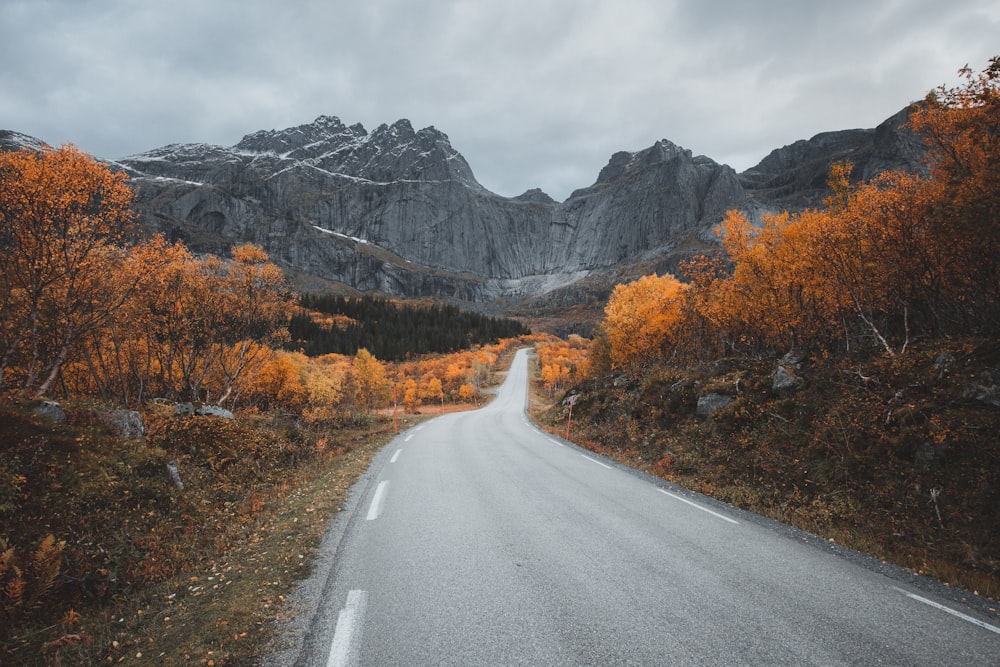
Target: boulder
[
  {"x": 711, "y": 402},
  {"x": 213, "y": 411},
  {"x": 50, "y": 411},
  {"x": 785, "y": 382},
  {"x": 129, "y": 424},
  {"x": 985, "y": 388},
  {"x": 175, "y": 475}
]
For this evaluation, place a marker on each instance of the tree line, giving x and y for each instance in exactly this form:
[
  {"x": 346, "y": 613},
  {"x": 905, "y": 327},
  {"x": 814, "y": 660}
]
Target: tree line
[{"x": 389, "y": 330}]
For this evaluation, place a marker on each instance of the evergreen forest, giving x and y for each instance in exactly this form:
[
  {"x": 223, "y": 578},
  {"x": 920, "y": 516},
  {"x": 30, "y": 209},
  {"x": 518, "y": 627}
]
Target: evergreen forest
[{"x": 390, "y": 330}]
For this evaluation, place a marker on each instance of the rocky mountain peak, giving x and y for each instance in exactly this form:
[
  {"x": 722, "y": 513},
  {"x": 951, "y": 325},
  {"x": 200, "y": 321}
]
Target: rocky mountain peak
[
  {"x": 325, "y": 130},
  {"x": 535, "y": 195},
  {"x": 15, "y": 141},
  {"x": 626, "y": 164}
]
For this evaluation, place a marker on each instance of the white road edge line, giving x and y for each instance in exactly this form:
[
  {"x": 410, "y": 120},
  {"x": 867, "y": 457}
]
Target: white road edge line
[
  {"x": 395, "y": 456},
  {"x": 407, "y": 438},
  {"x": 376, "y": 506},
  {"x": 596, "y": 461},
  {"x": 697, "y": 506},
  {"x": 345, "y": 636},
  {"x": 948, "y": 610},
  {"x": 556, "y": 442}
]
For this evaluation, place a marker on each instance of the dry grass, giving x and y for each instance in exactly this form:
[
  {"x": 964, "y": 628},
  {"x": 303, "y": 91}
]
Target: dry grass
[{"x": 153, "y": 574}]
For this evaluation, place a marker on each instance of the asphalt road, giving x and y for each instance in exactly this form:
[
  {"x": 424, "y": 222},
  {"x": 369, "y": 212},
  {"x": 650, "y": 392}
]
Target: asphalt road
[{"x": 478, "y": 540}]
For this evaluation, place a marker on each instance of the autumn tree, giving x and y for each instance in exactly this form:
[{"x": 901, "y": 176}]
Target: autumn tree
[
  {"x": 280, "y": 382},
  {"x": 641, "y": 317},
  {"x": 432, "y": 389},
  {"x": 257, "y": 300},
  {"x": 960, "y": 127},
  {"x": 326, "y": 382},
  {"x": 411, "y": 397},
  {"x": 194, "y": 328},
  {"x": 370, "y": 381},
  {"x": 62, "y": 218},
  {"x": 466, "y": 393}
]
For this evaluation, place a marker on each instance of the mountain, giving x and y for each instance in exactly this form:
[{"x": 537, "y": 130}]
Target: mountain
[
  {"x": 399, "y": 210},
  {"x": 794, "y": 177}
]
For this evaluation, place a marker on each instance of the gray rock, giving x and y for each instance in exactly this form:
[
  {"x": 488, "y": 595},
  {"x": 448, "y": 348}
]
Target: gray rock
[
  {"x": 943, "y": 361},
  {"x": 943, "y": 364},
  {"x": 203, "y": 410},
  {"x": 50, "y": 411},
  {"x": 213, "y": 411},
  {"x": 792, "y": 358},
  {"x": 712, "y": 402},
  {"x": 794, "y": 177},
  {"x": 127, "y": 423},
  {"x": 175, "y": 475},
  {"x": 928, "y": 452},
  {"x": 985, "y": 388},
  {"x": 183, "y": 409},
  {"x": 784, "y": 381}
]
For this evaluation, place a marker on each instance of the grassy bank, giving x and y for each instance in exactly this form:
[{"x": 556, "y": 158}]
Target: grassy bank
[{"x": 137, "y": 569}]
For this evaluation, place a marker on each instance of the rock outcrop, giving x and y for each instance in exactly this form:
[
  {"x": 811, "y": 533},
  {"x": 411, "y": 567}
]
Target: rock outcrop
[{"x": 794, "y": 177}]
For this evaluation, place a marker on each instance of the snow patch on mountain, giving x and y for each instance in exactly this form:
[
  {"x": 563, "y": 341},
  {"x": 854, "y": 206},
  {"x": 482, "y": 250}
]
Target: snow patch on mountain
[{"x": 339, "y": 235}]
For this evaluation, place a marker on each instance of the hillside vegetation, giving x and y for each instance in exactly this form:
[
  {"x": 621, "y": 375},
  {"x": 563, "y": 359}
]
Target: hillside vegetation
[{"x": 837, "y": 368}]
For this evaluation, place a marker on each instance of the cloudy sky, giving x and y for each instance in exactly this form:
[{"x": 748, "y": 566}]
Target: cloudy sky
[{"x": 534, "y": 93}]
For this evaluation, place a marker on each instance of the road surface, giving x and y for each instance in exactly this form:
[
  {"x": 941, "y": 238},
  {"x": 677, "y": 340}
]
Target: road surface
[{"x": 478, "y": 540}]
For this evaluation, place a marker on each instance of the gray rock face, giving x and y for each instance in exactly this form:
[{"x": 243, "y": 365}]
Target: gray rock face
[
  {"x": 794, "y": 177},
  {"x": 399, "y": 210},
  {"x": 15, "y": 141}
]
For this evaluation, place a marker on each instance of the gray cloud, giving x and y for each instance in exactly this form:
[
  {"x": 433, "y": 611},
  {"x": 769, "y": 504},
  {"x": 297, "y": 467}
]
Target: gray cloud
[{"x": 534, "y": 93}]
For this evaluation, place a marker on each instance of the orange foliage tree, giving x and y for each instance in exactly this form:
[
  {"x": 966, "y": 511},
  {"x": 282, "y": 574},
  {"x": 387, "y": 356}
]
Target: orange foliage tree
[
  {"x": 192, "y": 329},
  {"x": 370, "y": 384},
  {"x": 62, "y": 215},
  {"x": 960, "y": 127},
  {"x": 562, "y": 362},
  {"x": 642, "y": 317}
]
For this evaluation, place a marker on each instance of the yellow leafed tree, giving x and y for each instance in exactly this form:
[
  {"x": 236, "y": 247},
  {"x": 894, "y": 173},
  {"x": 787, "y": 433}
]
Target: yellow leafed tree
[{"x": 641, "y": 317}]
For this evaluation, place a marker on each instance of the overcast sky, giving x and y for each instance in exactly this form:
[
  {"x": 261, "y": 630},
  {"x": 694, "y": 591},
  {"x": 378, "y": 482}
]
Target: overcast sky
[{"x": 534, "y": 93}]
